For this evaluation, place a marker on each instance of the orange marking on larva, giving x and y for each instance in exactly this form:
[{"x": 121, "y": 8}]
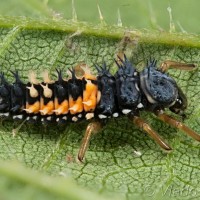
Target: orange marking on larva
[
  {"x": 33, "y": 108},
  {"x": 75, "y": 106},
  {"x": 90, "y": 96},
  {"x": 62, "y": 108},
  {"x": 46, "y": 109}
]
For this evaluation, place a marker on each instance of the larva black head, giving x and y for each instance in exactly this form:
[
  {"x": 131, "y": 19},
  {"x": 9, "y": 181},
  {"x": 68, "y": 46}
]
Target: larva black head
[
  {"x": 181, "y": 103},
  {"x": 159, "y": 89},
  {"x": 106, "y": 86},
  {"x": 127, "y": 80},
  {"x": 5, "y": 88}
]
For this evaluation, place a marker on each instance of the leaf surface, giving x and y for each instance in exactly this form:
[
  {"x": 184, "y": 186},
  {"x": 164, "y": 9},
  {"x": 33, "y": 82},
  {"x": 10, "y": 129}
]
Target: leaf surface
[{"x": 122, "y": 160}]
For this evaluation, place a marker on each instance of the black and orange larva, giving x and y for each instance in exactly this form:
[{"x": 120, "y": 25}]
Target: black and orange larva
[{"x": 97, "y": 98}]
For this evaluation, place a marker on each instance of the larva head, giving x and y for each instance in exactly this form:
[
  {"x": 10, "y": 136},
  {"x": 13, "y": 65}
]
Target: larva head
[
  {"x": 180, "y": 104},
  {"x": 160, "y": 89}
]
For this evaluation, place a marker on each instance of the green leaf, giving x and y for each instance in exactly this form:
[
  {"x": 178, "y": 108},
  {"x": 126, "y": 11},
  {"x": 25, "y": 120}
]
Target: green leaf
[
  {"x": 122, "y": 160},
  {"x": 16, "y": 178}
]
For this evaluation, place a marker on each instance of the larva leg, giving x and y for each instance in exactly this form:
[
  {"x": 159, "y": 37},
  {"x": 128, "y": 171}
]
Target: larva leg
[
  {"x": 147, "y": 128},
  {"x": 177, "y": 124},
  {"x": 16, "y": 130},
  {"x": 177, "y": 65},
  {"x": 91, "y": 129}
]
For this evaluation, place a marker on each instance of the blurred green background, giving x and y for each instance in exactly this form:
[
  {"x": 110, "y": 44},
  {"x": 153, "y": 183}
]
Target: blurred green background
[{"x": 140, "y": 14}]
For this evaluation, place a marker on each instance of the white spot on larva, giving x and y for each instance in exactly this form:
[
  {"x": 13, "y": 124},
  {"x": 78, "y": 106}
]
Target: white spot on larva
[
  {"x": 42, "y": 119},
  {"x": 150, "y": 98},
  {"x": 17, "y": 116},
  {"x": 102, "y": 116},
  {"x": 136, "y": 86},
  {"x": 140, "y": 105},
  {"x": 80, "y": 115},
  {"x": 126, "y": 111},
  {"x": 65, "y": 117},
  {"x": 4, "y": 114},
  {"x": 57, "y": 119},
  {"x": 135, "y": 73},
  {"x": 89, "y": 116},
  {"x": 28, "y": 118},
  {"x": 179, "y": 100},
  {"x": 49, "y": 118},
  {"x": 34, "y": 117},
  {"x": 115, "y": 114},
  {"x": 74, "y": 119}
]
